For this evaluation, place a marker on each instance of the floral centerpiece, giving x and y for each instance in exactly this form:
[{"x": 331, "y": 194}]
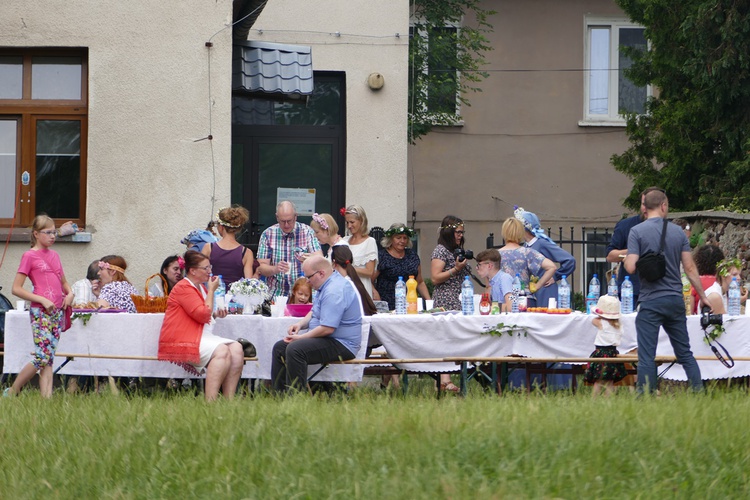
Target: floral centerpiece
[{"x": 250, "y": 292}]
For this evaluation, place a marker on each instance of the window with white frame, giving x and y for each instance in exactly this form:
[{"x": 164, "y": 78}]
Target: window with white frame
[{"x": 609, "y": 94}]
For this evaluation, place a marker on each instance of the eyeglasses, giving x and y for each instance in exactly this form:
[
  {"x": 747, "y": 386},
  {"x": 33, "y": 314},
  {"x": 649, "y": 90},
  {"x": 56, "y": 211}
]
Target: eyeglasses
[
  {"x": 460, "y": 232},
  {"x": 308, "y": 278},
  {"x": 206, "y": 268},
  {"x": 286, "y": 222},
  {"x": 49, "y": 233}
]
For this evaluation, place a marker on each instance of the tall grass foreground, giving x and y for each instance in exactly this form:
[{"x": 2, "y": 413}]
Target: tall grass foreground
[{"x": 375, "y": 445}]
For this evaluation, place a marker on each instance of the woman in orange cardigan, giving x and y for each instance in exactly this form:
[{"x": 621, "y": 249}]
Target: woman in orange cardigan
[{"x": 186, "y": 335}]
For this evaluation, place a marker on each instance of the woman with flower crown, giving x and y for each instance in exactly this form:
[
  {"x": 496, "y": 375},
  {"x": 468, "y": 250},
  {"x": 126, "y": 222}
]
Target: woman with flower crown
[
  {"x": 228, "y": 257},
  {"x": 327, "y": 232},
  {"x": 726, "y": 270},
  {"x": 396, "y": 258}
]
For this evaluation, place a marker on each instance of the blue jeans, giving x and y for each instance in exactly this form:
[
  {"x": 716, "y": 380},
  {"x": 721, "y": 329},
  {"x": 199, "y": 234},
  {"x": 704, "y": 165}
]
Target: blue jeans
[{"x": 668, "y": 312}]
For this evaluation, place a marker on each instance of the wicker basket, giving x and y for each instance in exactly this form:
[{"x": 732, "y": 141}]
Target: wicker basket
[{"x": 148, "y": 304}]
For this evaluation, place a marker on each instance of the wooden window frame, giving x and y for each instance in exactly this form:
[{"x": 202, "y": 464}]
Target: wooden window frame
[{"x": 27, "y": 111}]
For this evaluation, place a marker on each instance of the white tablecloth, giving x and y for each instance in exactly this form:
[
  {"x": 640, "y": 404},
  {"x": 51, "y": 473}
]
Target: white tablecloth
[
  {"x": 547, "y": 335},
  {"x": 138, "y": 335}
]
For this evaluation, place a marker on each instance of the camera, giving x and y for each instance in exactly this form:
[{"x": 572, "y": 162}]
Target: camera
[
  {"x": 461, "y": 254},
  {"x": 708, "y": 319}
]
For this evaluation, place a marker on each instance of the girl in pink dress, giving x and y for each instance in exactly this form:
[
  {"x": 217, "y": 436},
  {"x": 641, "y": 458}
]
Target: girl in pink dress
[{"x": 51, "y": 295}]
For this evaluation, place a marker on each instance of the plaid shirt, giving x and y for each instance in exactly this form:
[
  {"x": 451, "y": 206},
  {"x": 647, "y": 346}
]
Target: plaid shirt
[{"x": 277, "y": 245}]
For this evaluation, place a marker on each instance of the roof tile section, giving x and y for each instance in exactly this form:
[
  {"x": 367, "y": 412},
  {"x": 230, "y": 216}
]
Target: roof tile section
[{"x": 272, "y": 68}]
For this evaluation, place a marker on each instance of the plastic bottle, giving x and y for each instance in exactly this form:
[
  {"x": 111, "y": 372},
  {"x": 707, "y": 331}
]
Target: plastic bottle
[
  {"x": 563, "y": 294},
  {"x": 400, "y": 296},
  {"x": 467, "y": 297},
  {"x": 627, "y": 296},
  {"x": 686, "y": 296},
  {"x": 595, "y": 286},
  {"x": 593, "y": 295},
  {"x": 612, "y": 287},
  {"x": 220, "y": 295},
  {"x": 515, "y": 291},
  {"x": 733, "y": 302},
  {"x": 411, "y": 296}
]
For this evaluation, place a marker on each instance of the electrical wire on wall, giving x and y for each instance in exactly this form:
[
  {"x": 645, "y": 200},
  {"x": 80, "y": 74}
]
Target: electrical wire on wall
[{"x": 209, "y": 45}]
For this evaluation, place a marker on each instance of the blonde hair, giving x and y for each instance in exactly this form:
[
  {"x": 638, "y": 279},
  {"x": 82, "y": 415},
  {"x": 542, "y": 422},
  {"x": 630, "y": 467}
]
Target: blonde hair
[
  {"x": 513, "y": 231},
  {"x": 333, "y": 228},
  {"x": 40, "y": 222},
  {"x": 359, "y": 213}
]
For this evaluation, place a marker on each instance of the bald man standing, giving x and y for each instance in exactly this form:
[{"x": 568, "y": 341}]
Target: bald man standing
[{"x": 282, "y": 249}]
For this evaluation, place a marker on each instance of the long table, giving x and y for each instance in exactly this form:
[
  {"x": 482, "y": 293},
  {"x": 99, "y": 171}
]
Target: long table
[
  {"x": 540, "y": 335},
  {"x": 138, "y": 335},
  {"x": 404, "y": 337}
]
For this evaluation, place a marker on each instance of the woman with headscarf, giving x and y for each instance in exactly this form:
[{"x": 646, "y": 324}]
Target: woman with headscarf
[{"x": 539, "y": 241}]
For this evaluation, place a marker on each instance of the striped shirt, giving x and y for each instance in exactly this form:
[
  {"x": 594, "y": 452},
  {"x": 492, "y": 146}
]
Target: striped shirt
[{"x": 278, "y": 246}]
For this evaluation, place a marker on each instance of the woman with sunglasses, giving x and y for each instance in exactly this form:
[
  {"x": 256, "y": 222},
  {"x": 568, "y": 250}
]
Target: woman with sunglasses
[{"x": 187, "y": 337}]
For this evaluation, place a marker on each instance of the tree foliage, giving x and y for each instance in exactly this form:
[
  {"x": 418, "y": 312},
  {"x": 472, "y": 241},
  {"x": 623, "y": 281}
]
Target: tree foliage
[
  {"x": 694, "y": 139},
  {"x": 437, "y": 55}
]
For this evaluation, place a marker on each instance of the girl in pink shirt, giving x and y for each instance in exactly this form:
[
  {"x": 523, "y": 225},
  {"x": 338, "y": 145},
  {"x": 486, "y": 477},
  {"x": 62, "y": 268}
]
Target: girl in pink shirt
[{"x": 51, "y": 295}]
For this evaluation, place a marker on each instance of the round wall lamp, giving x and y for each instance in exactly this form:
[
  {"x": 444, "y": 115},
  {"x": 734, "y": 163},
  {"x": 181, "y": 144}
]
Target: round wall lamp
[{"x": 375, "y": 81}]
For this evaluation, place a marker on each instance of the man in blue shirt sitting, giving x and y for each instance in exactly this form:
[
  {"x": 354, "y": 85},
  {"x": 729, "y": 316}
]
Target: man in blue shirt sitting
[{"x": 334, "y": 328}]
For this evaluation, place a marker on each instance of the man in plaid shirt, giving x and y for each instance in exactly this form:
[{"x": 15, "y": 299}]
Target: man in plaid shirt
[{"x": 283, "y": 248}]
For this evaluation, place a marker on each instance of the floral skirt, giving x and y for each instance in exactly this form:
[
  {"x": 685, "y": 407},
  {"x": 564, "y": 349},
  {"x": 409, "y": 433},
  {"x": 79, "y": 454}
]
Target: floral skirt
[{"x": 596, "y": 372}]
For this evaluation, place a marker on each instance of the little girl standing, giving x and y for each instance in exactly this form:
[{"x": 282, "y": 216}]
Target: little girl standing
[
  {"x": 301, "y": 292},
  {"x": 51, "y": 295},
  {"x": 608, "y": 337}
]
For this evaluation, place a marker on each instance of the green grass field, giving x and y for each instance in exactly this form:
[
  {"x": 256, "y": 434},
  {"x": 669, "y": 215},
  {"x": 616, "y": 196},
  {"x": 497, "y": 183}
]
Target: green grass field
[{"x": 372, "y": 444}]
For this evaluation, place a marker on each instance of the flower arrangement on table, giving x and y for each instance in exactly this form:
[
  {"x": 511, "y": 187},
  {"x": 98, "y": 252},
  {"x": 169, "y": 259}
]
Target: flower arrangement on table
[{"x": 250, "y": 292}]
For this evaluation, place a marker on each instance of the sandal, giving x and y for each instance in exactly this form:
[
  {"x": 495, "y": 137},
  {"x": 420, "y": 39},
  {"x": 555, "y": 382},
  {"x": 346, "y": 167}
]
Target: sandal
[{"x": 449, "y": 387}]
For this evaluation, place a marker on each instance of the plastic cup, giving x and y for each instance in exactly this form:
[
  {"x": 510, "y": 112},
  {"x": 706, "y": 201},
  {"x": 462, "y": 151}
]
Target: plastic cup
[
  {"x": 20, "y": 305},
  {"x": 277, "y": 310},
  {"x": 281, "y": 300},
  {"x": 429, "y": 304}
]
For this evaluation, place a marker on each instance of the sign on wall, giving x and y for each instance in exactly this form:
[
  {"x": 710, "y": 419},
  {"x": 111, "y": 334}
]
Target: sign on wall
[{"x": 303, "y": 199}]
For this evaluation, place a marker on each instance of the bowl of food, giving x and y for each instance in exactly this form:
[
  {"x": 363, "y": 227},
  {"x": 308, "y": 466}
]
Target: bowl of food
[{"x": 297, "y": 310}]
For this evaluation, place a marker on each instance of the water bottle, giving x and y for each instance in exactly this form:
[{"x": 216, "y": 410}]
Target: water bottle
[
  {"x": 220, "y": 295},
  {"x": 593, "y": 295},
  {"x": 467, "y": 297},
  {"x": 734, "y": 298},
  {"x": 595, "y": 287},
  {"x": 627, "y": 296},
  {"x": 515, "y": 292},
  {"x": 563, "y": 293},
  {"x": 400, "y": 296},
  {"x": 612, "y": 287}
]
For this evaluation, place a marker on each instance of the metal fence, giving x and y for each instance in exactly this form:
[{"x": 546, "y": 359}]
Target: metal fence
[{"x": 589, "y": 250}]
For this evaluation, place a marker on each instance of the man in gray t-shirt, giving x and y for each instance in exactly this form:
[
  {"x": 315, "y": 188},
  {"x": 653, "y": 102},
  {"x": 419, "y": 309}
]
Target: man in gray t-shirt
[{"x": 661, "y": 302}]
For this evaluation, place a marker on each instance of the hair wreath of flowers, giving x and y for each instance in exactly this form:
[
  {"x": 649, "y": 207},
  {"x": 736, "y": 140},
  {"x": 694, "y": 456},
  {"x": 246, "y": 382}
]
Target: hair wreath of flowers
[
  {"x": 107, "y": 265},
  {"x": 723, "y": 267},
  {"x": 181, "y": 262},
  {"x": 224, "y": 223},
  {"x": 400, "y": 230},
  {"x": 320, "y": 220},
  {"x": 452, "y": 226}
]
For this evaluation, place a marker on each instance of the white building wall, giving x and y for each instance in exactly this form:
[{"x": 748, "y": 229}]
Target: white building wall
[
  {"x": 149, "y": 183},
  {"x": 376, "y": 120}
]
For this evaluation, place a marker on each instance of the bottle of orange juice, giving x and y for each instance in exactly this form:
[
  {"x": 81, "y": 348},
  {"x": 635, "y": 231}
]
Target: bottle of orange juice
[{"x": 411, "y": 296}]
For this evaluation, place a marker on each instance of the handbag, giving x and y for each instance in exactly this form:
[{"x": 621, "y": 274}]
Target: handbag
[
  {"x": 652, "y": 266},
  {"x": 67, "y": 318}
]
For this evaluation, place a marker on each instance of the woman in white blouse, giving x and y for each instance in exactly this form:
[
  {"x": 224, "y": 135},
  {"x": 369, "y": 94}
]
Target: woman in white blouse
[{"x": 363, "y": 247}]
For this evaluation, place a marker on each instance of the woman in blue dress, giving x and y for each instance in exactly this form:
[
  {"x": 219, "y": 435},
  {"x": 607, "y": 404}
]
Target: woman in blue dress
[{"x": 539, "y": 241}]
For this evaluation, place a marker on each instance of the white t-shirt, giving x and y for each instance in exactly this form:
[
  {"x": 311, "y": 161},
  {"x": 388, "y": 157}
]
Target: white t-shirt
[
  {"x": 716, "y": 288},
  {"x": 608, "y": 335}
]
